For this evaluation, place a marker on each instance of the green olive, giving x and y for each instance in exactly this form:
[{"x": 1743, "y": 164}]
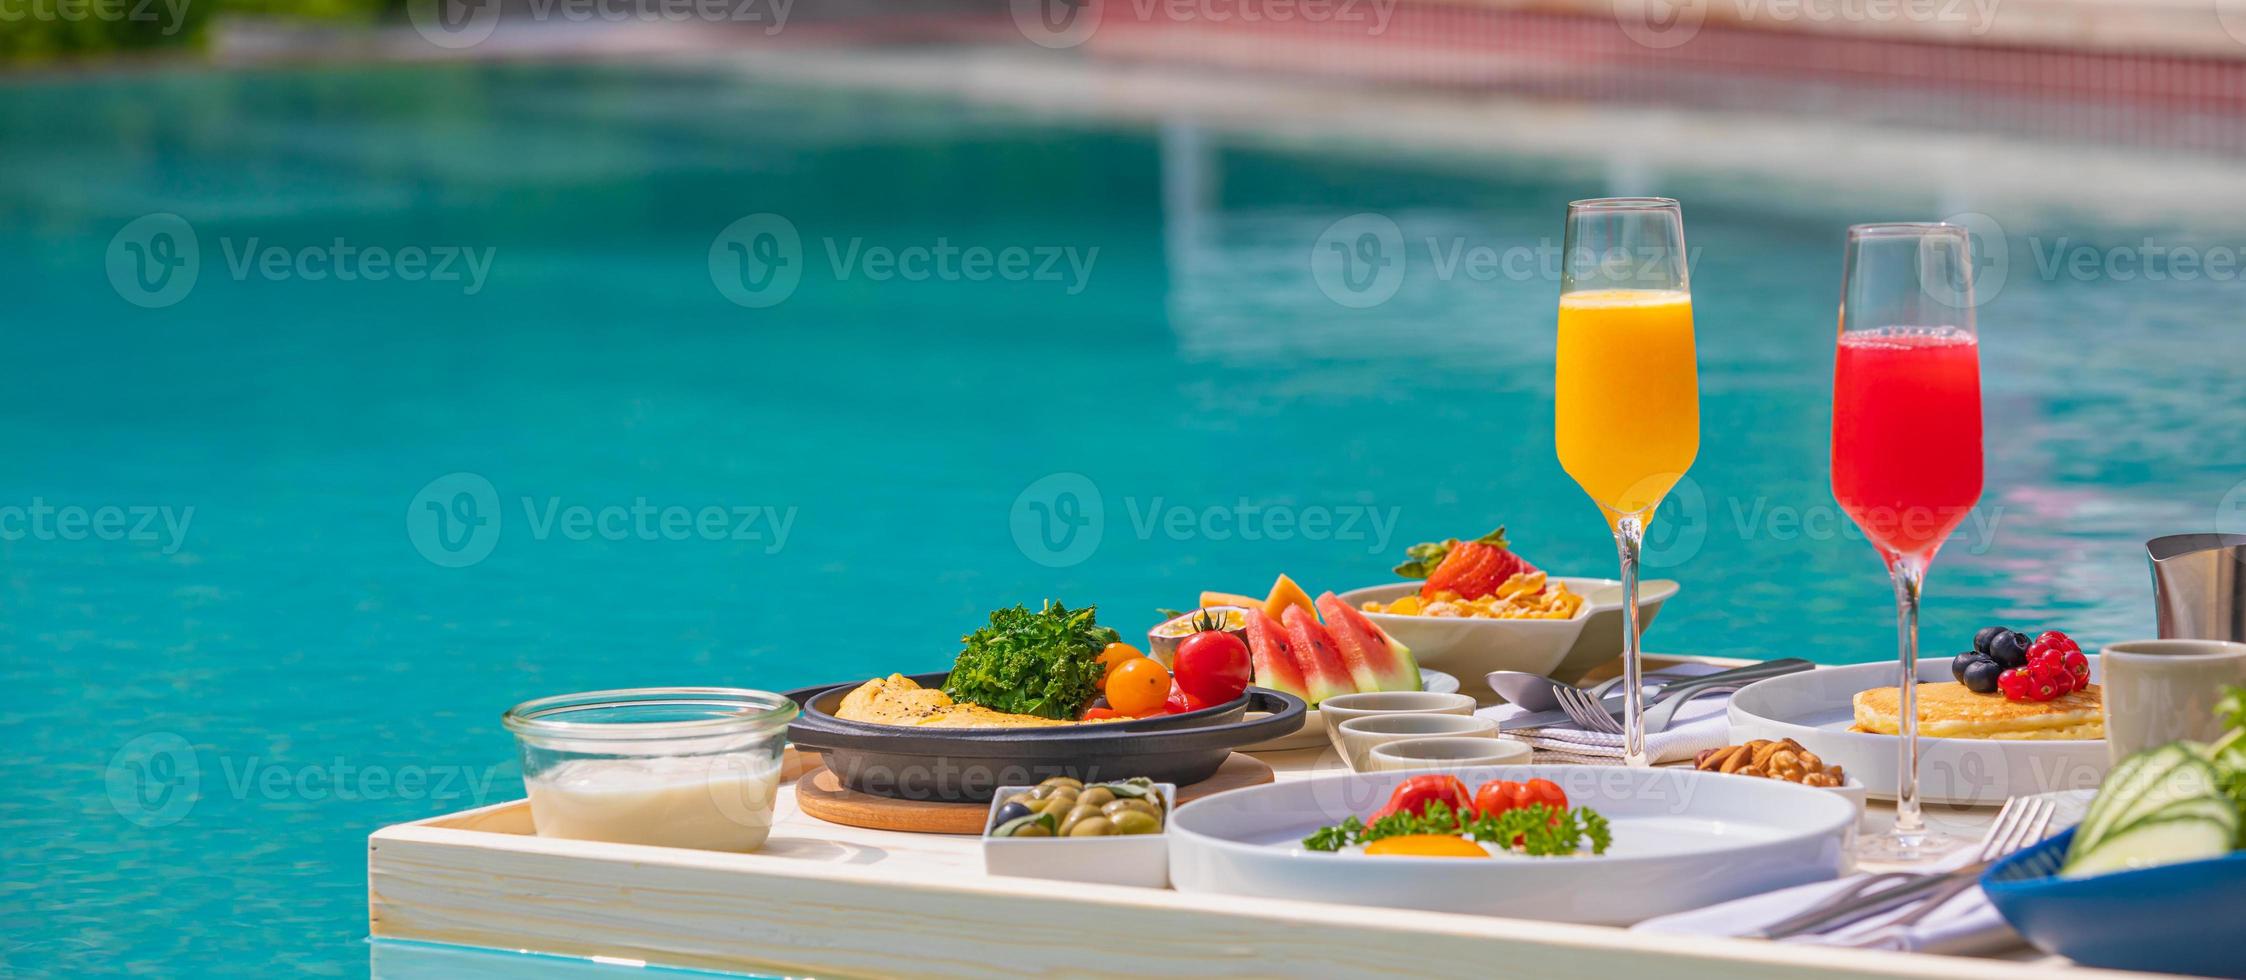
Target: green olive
[
  {"x": 1114, "y": 807},
  {"x": 1024, "y": 799},
  {"x": 1135, "y": 822},
  {"x": 1097, "y": 796},
  {"x": 1032, "y": 830},
  {"x": 1091, "y": 827},
  {"x": 1077, "y": 815},
  {"x": 1068, "y": 781}
]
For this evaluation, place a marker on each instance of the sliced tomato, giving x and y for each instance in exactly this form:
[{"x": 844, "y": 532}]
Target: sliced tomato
[
  {"x": 1102, "y": 714},
  {"x": 1496, "y": 796}
]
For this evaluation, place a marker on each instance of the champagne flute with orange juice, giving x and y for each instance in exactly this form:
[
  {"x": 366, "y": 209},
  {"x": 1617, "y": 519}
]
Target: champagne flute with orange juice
[{"x": 1627, "y": 394}]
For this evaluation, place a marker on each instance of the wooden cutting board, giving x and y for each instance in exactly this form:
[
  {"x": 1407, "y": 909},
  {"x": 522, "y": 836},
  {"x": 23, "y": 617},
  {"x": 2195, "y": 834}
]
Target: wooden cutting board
[{"x": 822, "y": 795}]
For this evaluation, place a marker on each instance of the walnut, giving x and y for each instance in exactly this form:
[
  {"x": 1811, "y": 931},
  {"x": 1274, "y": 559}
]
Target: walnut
[{"x": 1784, "y": 759}]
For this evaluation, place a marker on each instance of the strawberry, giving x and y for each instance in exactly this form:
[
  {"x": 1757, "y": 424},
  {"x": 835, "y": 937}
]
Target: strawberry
[{"x": 1472, "y": 569}]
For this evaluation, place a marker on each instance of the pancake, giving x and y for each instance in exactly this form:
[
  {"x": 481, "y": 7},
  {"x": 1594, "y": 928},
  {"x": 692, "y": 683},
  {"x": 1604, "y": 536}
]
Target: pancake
[{"x": 1950, "y": 710}]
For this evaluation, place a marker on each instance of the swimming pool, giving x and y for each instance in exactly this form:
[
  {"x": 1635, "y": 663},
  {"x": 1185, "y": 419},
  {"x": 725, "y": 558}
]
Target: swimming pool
[{"x": 288, "y": 543}]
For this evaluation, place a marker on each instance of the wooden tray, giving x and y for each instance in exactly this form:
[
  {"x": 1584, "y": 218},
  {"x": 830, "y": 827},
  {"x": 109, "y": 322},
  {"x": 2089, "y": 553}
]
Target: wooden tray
[
  {"x": 823, "y": 796},
  {"x": 827, "y": 900}
]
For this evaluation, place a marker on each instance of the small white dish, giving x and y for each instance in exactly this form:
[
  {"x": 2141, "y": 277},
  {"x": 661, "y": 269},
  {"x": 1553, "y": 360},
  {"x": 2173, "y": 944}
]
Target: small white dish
[
  {"x": 1447, "y": 752},
  {"x": 1563, "y": 649},
  {"x": 1344, "y": 708},
  {"x": 1815, "y": 708},
  {"x": 1313, "y": 732},
  {"x": 1141, "y": 860},
  {"x": 1683, "y": 839},
  {"x": 1357, "y": 737}
]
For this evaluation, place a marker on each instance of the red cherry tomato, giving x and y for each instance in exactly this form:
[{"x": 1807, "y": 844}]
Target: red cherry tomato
[
  {"x": 1412, "y": 795},
  {"x": 1213, "y": 666},
  {"x": 1543, "y": 791},
  {"x": 1495, "y": 796}
]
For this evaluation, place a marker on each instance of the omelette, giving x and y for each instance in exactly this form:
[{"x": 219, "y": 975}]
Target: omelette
[
  {"x": 1950, "y": 710},
  {"x": 896, "y": 700}
]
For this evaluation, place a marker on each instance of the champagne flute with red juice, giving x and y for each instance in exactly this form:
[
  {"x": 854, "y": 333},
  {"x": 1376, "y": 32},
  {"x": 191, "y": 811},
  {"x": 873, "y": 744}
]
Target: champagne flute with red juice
[{"x": 1907, "y": 444}]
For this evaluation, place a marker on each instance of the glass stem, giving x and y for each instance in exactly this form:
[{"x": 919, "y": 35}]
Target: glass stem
[
  {"x": 1629, "y": 534},
  {"x": 1909, "y": 575}
]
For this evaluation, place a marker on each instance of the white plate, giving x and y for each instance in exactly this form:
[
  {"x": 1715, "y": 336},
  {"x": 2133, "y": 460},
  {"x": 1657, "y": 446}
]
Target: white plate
[
  {"x": 1814, "y": 708},
  {"x": 1313, "y": 730},
  {"x": 1683, "y": 839},
  {"x": 1563, "y": 649}
]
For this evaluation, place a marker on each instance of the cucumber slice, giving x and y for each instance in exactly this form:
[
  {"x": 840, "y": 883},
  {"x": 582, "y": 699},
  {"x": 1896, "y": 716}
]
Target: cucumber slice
[
  {"x": 2123, "y": 773},
  {"x": 2152, "y": 843},
  {"x": 2211, "y": 809},
  {"x": 2169, "y": 773}
]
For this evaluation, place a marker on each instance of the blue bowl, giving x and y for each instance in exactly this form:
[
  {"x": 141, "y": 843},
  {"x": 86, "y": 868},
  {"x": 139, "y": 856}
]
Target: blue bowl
[{"x": 2175, "y": 918}]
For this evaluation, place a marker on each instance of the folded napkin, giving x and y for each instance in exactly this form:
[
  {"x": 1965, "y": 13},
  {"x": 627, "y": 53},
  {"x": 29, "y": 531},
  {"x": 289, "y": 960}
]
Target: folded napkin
[
  {"x": 1963, "y": 926},
  {"x": 1702, "y": 724}
]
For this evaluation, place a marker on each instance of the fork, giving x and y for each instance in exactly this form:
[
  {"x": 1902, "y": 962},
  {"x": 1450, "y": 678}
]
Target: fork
[
  {"x": 1588, "y": 711},
  {"x": 2023, "y": 821}
]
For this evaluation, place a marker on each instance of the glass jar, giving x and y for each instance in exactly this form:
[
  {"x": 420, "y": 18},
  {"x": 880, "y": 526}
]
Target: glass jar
[{"x": 691, "y": 767}]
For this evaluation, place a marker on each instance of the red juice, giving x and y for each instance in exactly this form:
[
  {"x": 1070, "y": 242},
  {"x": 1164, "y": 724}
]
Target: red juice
[{"x": 1907, "y": 435}]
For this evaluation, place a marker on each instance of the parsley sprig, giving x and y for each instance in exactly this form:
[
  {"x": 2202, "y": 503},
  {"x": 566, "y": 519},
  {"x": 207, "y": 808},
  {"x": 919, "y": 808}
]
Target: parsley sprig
[{"x": 1535, "y": 830}]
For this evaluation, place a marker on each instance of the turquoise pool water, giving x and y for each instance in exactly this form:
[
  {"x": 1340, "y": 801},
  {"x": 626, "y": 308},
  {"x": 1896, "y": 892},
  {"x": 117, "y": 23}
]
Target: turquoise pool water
[{"x": 281, "y": 546}]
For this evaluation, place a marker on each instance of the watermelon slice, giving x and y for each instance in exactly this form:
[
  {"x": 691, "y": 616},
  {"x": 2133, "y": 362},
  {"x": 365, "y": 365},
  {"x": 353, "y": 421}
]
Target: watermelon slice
[
  {"x": 1322, "y": 670},
  {"x": 1375, "y": 660},
  {"x": 1273, "y": 655}
]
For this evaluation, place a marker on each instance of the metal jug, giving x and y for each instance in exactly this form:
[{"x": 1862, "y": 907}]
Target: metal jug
[{"x": 2199, "y": 586}]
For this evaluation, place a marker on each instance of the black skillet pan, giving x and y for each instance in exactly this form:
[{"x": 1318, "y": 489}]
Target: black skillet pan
[{"x": 967, "y": 765}]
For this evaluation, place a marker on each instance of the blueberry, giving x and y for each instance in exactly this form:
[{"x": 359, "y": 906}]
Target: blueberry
[
  {"x": 2010, "y": 649},
  {"x": 1980, "y": 678},
  {"x": 1962, "y": 661},
  {"x": 1986, "y": 636}
]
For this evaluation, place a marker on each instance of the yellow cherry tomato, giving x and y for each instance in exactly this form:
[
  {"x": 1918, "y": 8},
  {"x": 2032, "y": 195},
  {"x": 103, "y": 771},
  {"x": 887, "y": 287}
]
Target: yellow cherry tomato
[
  {"x": 1137, "y": 686},
  {"x": 1116, "y": 653}
]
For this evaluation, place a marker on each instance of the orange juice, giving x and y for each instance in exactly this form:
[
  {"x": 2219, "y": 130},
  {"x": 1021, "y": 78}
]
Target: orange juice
[{"x": 1627, "y": 404}]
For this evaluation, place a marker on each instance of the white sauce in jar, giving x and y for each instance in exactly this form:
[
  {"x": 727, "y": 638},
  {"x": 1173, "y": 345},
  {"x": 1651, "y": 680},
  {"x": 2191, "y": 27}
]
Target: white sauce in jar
[{"x": 706, "y": 802}]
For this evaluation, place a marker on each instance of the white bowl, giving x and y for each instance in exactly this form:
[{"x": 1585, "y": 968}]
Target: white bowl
[
  {"x": 1356, "y": 738},
  {"x": 1134, "y": 859},
  {"x": 1563, "y": 649},
  {"x": 1447, "y": 752},
  {"x": 1814, "y": 708},
  {"x": 1313, "y": 732},
  {"x": 1683, "y": 839}
]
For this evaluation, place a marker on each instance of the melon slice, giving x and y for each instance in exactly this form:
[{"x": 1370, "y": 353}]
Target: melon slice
[
  {"x": 1211, "y": 600},
  {"x": 1284, "y": 593},
  {"x": 1273, "y": 655},
  {"x": 1322, "y": 671},
  {"x": 1375, "y": 660}
]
